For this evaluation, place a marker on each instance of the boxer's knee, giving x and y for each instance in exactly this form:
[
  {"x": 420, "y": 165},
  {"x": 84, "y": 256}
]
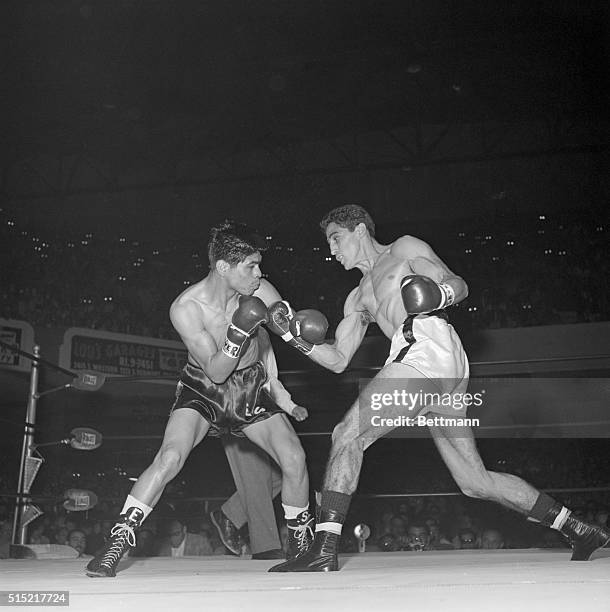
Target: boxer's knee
[
  {"x": 342, "y": 435},
  {"x": 168, "y": 462},
  {"x": 292, "y": 461}
]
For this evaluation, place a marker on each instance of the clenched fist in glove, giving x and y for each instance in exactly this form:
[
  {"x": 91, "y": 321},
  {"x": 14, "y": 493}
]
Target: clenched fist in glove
[
  {"x": 251, "y": 312},
  {"x": 300, "y": 329},
  {"x": 421, "y": 294}
]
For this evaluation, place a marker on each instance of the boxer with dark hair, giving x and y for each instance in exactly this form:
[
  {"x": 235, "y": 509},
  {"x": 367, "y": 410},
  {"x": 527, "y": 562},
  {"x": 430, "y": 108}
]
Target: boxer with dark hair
[
  {"x": 406, "y": 289},
  {"x": 228, "y": 386}
]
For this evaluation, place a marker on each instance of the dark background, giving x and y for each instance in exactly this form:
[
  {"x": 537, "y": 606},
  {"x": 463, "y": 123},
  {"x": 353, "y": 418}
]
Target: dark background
[
  {"x": 159, "y": 118},
  {"x": 137, "y": 125}
]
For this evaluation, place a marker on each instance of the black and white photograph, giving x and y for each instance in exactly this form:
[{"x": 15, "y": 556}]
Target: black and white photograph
[{"x": 304, "y": 305}]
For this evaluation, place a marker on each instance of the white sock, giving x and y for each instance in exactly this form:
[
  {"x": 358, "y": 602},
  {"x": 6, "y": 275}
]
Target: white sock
[
  {"x": 330, "y": 527},
  {"x": 132, "y": 502},
  {"x": 560, "y": 519},
  {"x": 291, "y": 512}
]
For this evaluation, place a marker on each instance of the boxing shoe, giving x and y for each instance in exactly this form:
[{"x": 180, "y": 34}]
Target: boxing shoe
[
  {"x": 584, "y": 538},
  {"x": 300, "y": 534},
  {"x": 122, "y": 538},
  {"x": 227, "y": 531},
  {"x": 322, "y": 556}
]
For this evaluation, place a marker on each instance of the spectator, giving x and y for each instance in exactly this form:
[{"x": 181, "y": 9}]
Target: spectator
[
  {"x": 437, "y": 540},
  {"x": 491, "y": 539},
  {"x": 466, "y": 539},
  {"x": 181, "y": 543},
  {"x": 387, "y": 543},
  {"x": 77, "y": 540},
  {"x": 418, "y": 537}
]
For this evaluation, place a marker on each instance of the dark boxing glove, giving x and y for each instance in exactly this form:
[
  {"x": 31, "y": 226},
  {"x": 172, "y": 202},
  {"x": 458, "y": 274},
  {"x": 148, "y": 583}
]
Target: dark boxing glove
[
  {"x": 251, "y": 312},
  {"x": 421, "y": 294},
  {"x": 300, "y": 329},
  {"x": 310, "y": 325}
]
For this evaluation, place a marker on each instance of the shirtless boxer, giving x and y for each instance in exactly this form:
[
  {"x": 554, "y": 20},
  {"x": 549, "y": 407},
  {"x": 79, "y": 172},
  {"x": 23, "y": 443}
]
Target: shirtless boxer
[
  {"x": 229, "y": 385},
  {"x": 405, "y": 288}
]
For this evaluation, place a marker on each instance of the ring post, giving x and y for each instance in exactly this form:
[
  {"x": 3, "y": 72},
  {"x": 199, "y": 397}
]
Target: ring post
[{"x": 24, "y": 484}]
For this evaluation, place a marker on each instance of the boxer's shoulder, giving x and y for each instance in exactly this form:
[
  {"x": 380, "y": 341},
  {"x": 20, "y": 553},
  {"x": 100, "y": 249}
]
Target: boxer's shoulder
[
  {"x": 409, "y": 247},
  {"x": 267, "y": 292},
  {"x": 354, "y": 299}
]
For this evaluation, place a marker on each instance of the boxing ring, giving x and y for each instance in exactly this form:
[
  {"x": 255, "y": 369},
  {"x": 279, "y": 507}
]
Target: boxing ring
[
  {"x": 508, "y": 579},
  {"x": 501, "y": 580}
]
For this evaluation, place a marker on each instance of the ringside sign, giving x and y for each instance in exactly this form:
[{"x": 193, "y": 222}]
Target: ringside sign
[
  {"x": 120, "y": 354},
  {"x": 21, "y": 335}
]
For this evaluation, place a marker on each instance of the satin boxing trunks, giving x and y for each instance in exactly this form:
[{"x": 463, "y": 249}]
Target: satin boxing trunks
[{"x": 230, "y": 406}]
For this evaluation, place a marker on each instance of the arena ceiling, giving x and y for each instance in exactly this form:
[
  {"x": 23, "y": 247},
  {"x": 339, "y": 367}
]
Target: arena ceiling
[{"x": 128, "y": 82}]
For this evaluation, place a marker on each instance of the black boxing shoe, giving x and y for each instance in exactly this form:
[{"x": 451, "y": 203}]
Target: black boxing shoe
[
  {"x": 300, "y": 534},
  {"x": 322, "y": 556},
  {"x": 122, "y": 538},
  {"x": 227, "y": 531},
  {"x": 584, "y": 538}
]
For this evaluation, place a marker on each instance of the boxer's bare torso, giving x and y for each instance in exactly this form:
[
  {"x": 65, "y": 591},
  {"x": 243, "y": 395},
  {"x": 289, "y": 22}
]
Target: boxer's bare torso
[{"x": 378, "y": 293}]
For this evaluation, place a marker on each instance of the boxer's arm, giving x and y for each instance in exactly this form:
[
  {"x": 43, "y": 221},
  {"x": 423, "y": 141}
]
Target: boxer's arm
[
  {"x": 299, "y": 329},
  {"x": 268, "y": 293},
  {"x": 425, "y": 262},
  {"x": 200, "y": 344},
  {"x": 348, "y": 337},
  {"x": 274, "y": 387}
]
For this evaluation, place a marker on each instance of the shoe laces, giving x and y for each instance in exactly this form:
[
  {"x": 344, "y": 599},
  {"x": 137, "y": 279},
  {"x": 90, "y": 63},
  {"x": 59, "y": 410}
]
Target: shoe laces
[
  {"x": 121, "y": 534},
  {"x": 303, "y": 534}
]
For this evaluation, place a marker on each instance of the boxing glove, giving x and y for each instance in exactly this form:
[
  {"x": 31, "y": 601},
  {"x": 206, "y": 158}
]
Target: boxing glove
[
  {"x": 299, "y": 329},
  {"x": 421, "y": 294},
  {"x": 250, "y": 313},
  {"x": 309, "y": 324}
]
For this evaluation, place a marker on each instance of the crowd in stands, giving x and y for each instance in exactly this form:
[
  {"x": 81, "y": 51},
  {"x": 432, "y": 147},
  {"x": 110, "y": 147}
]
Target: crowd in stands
[
  {"x": 413, "y": 523},
  {"x": 419, "y": 523},
  {"x": 573, "y": 471},
  {"x": 87, "y": 535},
  {"x": 529, "y": 270}
]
